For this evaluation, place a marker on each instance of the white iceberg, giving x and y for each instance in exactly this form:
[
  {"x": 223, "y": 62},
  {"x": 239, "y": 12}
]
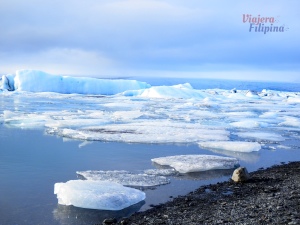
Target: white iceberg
[
  {"x": 38, "y": 81},
  {"x": 184, "y": 91},
  {"x": 125, "y": 178},
  {"x": 196, "y": 163},
  {"x": 236, "y": 146},
  {"x": 97, "y": 194}
]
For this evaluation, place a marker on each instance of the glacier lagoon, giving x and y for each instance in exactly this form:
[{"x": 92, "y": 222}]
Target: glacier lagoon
[{"x": 48, "y": 137}]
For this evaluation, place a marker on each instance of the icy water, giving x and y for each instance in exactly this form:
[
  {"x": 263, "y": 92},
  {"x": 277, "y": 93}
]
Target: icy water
[
  {"x": 31, "y": 162},
  {"x": 46, "y": 138}
]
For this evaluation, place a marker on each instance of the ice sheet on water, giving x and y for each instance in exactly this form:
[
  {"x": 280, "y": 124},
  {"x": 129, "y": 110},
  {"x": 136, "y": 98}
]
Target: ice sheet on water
[
  {"x": 125, "y": 178},
  {"x": 196, "y": 163},
  {"x": 249, "y": 124},
  {"x": 160, "y": 172},
  {"x": 291, "y": 121},
  {"x": 146, "y": 132},
  {"x": 263, "y": 136},
  {"x": 236, "y": 146},
  {"x": 97, "y": 194}
]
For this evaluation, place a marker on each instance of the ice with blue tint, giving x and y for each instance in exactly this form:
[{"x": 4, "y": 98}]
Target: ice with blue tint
[
  {"x": 236, "y": 146},
  {"x": 38, "y": 81},
  {"x": 136, "y": 112},
  {"x": 196, "y": 163},
  {"x": 125, "y": 178},
  {"x": 97, "y": 194}
]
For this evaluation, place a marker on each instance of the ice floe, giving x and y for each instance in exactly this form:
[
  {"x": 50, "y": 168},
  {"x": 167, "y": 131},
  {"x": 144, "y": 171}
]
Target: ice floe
[
  {"x": 97, "y": 194},
  {"x": 236, "y": 146},
  {"x": 125, "y": 178},
  {"x": 257, "y": 135},
  {"x": 196, "y": 163}
]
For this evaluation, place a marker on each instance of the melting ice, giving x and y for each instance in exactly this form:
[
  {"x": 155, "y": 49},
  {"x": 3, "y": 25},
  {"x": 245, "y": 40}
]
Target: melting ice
[
  {"x": 133, "y": 111},
  {"x": 196, "y": 163},
  {"x": 234, "y": 123},
  {"x": 125, "y": 178},
  {"x": 97, "y": 194}
]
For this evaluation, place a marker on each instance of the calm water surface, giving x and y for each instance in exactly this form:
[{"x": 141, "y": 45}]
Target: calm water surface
[{"x": 32, "y": 162}]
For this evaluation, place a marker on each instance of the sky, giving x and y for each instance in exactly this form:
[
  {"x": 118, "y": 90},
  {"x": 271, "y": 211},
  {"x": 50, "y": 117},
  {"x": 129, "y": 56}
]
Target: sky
[{"x": 153, "y": 38}]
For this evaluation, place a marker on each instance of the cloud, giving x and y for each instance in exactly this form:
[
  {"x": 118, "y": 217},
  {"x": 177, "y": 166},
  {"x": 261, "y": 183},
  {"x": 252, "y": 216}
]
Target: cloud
[{"x": 146, "y": 35}]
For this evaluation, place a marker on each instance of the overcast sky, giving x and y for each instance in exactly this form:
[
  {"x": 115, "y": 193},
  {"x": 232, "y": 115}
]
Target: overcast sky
[{"x": 126, "y": 38}]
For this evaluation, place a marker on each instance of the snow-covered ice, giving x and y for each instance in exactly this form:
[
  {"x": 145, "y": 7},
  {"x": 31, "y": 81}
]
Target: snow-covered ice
[
  {"x": 236, "y": 146},
  {"x": 196, "y": 163},
  {"x": 97, "y": 194},
  {"x": 125, "y": 178}
]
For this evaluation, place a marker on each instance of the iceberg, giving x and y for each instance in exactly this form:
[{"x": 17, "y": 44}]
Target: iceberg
[
  {"x": 184, "y": 91},
  {"x": 7, "y": 82},
  {"x": 97, "y": 194},
  {"x": 196, "y": 163},
  {"x": 236, "y": 146},
  {"x": 125, "y": 178},
  {"x": 38, "y": 81}
]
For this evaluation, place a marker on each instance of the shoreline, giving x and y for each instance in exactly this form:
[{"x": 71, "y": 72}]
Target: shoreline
[{"x": 271, "y": 196}]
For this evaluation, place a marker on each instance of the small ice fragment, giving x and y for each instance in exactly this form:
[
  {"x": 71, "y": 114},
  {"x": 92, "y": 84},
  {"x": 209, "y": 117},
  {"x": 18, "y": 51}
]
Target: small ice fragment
[
  {"x": 124, "y": 177},
  {"x": 97, "y": 194},
  {"x": 236, "y": 146},
  {"x": 196, "y": 163}
]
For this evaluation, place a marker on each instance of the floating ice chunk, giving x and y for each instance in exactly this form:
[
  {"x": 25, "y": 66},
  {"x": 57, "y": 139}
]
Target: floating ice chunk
[
  {"x": 294, "y": 99},
  {"x": 97, "y": 194},
  {"x": 160, "y": 172},
  {"x": 38, "y": 81},
  {"x": 249, "y": 124},
  {"x": 261, "y": 136},
  {"x": 245, "y": 156},
  {"x": 125, "y": 178},
  {"x": 271, "y": 115},
  {"x": 236, "y": 146},
  {"x": 283, "y": 147},
  {"x": 196, "y": 163},
  {"x": 24, "y": 120},
  {"x": 149, "y": 131},
  {"x": 252, "y": 94},
  {"x": 290, "y": 121},
  {"x": 177, "y": 91}
]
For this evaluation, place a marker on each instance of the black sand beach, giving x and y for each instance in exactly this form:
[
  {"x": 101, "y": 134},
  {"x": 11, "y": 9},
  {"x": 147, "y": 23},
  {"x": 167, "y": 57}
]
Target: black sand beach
[{"x": 271, "y": 196}]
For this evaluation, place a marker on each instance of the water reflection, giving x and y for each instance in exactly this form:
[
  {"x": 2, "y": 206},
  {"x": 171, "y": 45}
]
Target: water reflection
[{"x": 74, "y": 215}]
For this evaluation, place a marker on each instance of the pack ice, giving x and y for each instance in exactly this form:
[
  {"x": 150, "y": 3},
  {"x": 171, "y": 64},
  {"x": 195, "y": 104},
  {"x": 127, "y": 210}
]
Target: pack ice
[
  {"x": 135, "y": 112},
  {"x": 196, "y": 163},
  {"x": 97, "y": 194}
]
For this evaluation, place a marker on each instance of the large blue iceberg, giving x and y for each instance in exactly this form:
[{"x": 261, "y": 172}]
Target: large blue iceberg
[{"x": 38, "y": 81}]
